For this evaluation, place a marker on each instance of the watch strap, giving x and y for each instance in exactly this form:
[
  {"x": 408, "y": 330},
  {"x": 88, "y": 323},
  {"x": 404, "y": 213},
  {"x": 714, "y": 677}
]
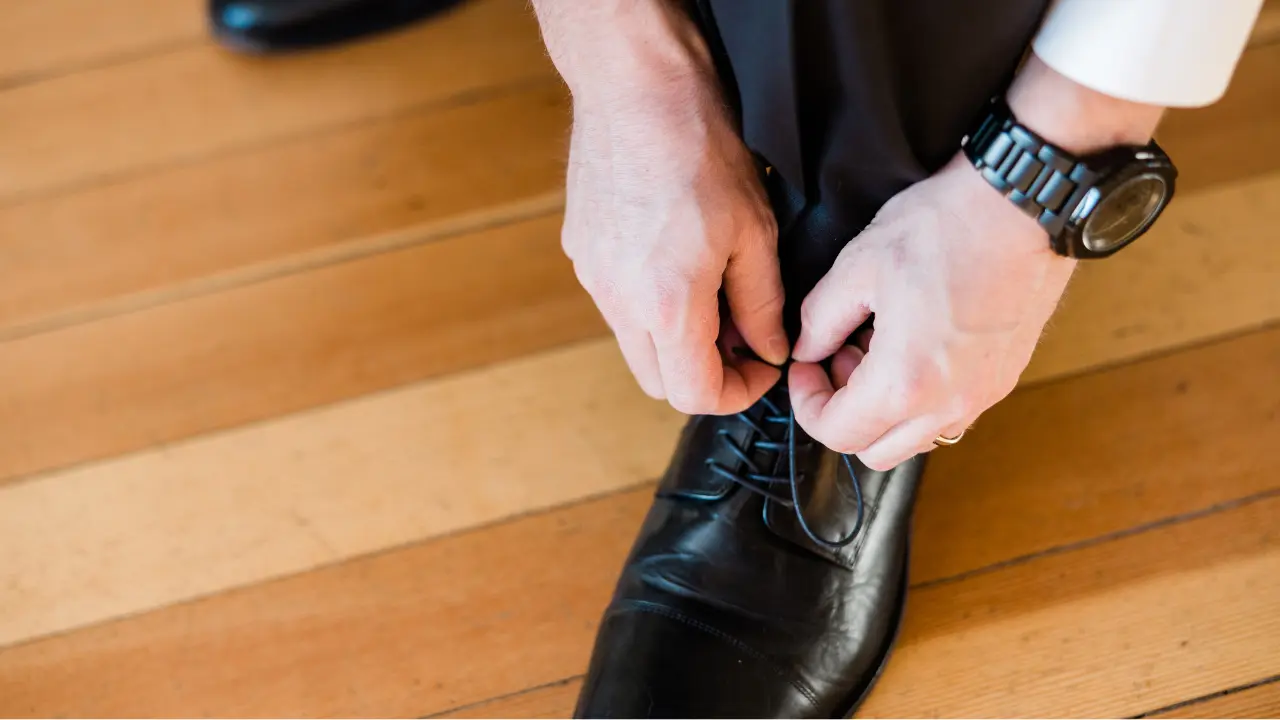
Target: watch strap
[{"x": 1045, "y": 182}]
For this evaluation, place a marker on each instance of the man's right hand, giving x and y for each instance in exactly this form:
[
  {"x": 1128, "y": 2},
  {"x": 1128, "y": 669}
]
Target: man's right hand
[{"x": 664, "y": 209}]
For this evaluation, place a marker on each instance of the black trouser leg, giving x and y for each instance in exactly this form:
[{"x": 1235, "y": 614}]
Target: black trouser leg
[{"x": 850, "y": 101}]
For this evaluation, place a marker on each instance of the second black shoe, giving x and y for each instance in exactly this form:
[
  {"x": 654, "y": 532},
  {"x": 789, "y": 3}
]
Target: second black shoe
[
  {"x": 768, "y": 579},
  {"x": 278, "y": 25}
]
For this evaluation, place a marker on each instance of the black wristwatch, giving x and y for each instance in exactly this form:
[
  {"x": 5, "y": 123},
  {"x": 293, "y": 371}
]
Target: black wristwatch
[{"x": 1091, "y": 206}]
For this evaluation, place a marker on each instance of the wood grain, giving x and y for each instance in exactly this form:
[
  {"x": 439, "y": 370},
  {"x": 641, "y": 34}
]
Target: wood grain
[
  {"x": 366, "y": 636},
  {"x": 44, "y": 38},
  {"x": 1207, "y": 269},
  {"x": 167, "y": 234},
  {"x": 1110, "y": 630},
  {"x": 285, "y": 344},
  {"x": 398, "y": 634},
  {"x": 1075, "y": 459},
  {"x": 258, "y": 502},
  {"x": 1261, "y": 701},
  {"x": 200, "y": 101}
]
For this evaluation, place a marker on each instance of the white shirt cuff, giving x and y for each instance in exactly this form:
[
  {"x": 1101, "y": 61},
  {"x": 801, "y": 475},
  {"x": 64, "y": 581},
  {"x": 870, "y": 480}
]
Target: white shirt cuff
[{"x": 1172, "y": 53}]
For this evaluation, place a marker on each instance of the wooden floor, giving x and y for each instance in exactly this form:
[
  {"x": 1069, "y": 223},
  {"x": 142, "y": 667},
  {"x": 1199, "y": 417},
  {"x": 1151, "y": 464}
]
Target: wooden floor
[{"x": 303, "y": 413}]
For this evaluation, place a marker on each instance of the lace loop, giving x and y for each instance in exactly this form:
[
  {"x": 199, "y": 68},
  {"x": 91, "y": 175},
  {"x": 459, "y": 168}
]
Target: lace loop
[{"x": 760, "y": 483}]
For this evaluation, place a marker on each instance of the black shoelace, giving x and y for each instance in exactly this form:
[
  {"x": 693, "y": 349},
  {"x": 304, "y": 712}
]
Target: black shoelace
[{"x": 752, "y": 477}]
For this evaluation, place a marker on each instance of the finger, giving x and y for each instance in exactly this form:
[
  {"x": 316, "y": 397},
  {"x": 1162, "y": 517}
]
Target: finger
[
  {"x": 903, "y": 442},
  {"x": 685, "y": 325},
  {"x": 843, "y": 363},
  {"x": 642, "y": 359},
  {"x": 753, "y": 287},
  {"x": 851, "y": 418},
  {"x": 837, "y": 305},
  {"x": 758, "y": 377}
]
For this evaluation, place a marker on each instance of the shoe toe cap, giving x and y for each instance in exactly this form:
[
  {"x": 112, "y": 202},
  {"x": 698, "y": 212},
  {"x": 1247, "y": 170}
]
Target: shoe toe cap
[{"x": 653, "y": 661}]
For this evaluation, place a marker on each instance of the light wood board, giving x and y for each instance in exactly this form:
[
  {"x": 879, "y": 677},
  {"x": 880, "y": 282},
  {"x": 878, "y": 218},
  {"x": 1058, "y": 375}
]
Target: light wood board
[
  {"x": 50, "y": 37},
  {"x": 280, "y": 209},
  {"x": 200, "y": 101}
]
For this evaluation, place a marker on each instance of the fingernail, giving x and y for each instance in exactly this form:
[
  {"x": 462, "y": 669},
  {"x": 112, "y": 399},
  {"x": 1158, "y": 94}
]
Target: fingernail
[{"x": 778, "y": 349}]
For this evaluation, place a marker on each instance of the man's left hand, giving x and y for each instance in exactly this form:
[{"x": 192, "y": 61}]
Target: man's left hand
[{"x": 961, "y": 284}]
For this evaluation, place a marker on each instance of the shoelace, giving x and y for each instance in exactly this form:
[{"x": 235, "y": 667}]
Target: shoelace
[{"x": 758, "y": 482}]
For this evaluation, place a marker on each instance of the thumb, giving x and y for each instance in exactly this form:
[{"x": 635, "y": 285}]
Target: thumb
[{"x": 753, "y": 289}]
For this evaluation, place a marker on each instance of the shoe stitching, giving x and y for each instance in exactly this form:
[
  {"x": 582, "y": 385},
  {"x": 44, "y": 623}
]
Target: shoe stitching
[{"x": 672, "y": 614}]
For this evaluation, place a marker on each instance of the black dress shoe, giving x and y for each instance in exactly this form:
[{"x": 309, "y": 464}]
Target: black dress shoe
[
  {"x": 276, "y": 25},
  {"x": 734, "y": 602}
]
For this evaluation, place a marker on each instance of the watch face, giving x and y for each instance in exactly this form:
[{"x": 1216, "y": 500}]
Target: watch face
[{"x": 1125, "y": 212}]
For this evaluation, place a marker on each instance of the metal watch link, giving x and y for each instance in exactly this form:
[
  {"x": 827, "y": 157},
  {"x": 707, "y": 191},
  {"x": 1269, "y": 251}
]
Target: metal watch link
[{"x": 1091, "y": 206}]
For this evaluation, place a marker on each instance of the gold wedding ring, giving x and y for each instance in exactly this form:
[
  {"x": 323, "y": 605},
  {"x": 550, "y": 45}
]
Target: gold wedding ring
[{"x": 944, "y": 441}]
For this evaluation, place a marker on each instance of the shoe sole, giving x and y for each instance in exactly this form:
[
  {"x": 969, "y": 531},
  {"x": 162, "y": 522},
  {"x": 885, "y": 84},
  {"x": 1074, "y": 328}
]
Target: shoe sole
[{"x": 892, "y": 641}]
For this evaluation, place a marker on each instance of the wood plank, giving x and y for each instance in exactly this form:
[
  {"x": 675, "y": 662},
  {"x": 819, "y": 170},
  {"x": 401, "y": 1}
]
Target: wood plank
[
  {"x": 161, "y": 236},
  {"x": 1237, "y": 137},
  {"x": 57, "y": 36},
  {"x": 1207, "y": 269},
  {"x": 398, "y": 634},
  {"x": 1110, "y": 630},
  {"x": 1259, "y": 701},
  {"x": 1065, "y": 461},
  {"x": 365, "y": 637},
  {"x": 257, "y": 502},
  {"x": 200, "y": 101},
  {"x": 285, "y": 344}
]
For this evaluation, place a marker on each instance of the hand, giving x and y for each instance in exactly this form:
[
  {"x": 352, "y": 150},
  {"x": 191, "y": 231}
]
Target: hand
[
  {"x": 664, "y": 210},
  {"x": 961, "y": 284}
]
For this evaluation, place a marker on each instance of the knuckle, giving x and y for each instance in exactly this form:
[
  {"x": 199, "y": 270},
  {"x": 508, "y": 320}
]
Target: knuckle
[
  {"x": 666, "y": 296},
  {"x": 665, "y": 308}
]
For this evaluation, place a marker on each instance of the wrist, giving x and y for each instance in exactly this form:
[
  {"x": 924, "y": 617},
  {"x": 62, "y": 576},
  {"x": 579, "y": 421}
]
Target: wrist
[
  {"x": 1076, "y": 118},
  {"x": 626, "y": 52}
]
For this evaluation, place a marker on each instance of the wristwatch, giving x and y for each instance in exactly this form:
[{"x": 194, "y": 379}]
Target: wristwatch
[{"x": 1091, "y": 206}]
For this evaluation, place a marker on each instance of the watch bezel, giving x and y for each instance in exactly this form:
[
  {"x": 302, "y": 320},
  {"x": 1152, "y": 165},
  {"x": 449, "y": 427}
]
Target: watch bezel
[{"x": 1115, "y": 166}]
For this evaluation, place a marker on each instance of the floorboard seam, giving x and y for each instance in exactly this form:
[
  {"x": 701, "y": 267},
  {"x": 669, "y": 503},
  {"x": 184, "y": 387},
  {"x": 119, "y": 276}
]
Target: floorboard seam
[
  {"x": 1211, "y": 696},
  {"x": 497, "y": 698},
  {"x": 21, "y": 80},
  {"x": 411, "y": 236},
  {"x": 1140, "y": 529},
  {"x": 464, "y": 98}
]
